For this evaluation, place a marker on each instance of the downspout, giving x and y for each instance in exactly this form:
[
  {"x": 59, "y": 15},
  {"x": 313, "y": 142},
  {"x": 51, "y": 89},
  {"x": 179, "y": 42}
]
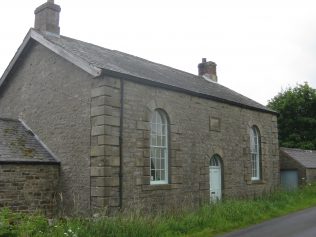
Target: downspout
[{"x": 121, "y": 143}]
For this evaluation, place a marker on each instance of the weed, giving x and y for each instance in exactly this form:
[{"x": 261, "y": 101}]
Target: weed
[{"x": 208, "y": 220}]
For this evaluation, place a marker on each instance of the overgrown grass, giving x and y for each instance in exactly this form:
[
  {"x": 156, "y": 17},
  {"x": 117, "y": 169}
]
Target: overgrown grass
[{"x": 209, "y": 220}]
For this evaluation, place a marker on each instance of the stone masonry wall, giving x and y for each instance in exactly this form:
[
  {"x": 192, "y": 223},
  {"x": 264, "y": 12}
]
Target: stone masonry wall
[
  {"x": 53, "y": 97},
  {"x": 310, "y": 175},
  {"x": 29, "y": 188},
  {"x": 192, "y": 142}
]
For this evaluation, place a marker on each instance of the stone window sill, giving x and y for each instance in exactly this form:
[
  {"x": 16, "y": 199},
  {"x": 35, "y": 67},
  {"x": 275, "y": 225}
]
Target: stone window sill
[
  {"x": 258, "y": 182},
  {"x": 152, "y": 187}
]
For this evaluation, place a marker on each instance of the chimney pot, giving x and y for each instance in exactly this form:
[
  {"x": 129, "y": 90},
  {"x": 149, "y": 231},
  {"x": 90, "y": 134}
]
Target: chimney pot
[
  {"x": 208, "y": 70},
  {"x": 47, "y": 18}
]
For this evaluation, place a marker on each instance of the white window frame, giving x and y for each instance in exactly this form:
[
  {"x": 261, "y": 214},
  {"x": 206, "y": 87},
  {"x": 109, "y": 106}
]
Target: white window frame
[
  {"x": 255, "y": 153},
  {"x": 159, "y": 147}
]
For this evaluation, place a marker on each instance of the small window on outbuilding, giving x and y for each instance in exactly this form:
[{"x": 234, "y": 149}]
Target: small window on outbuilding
[{"x": 159, "y": 148}]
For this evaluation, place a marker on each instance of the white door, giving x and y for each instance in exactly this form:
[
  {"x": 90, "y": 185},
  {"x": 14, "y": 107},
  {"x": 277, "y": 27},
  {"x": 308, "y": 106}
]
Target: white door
[{"x": 215, "y": 179}]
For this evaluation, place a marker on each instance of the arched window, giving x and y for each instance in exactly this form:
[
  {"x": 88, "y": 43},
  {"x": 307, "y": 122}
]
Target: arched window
[
  {"x": 159, "y": 148},
  {"x": 255, "y": 149},
  {"x": 215, "y": 177}
]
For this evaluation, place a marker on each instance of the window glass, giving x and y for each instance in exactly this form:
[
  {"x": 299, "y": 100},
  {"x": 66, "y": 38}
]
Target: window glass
[
  {"x": 255, "y": 153},
  {"x": 159, "y": 148}
]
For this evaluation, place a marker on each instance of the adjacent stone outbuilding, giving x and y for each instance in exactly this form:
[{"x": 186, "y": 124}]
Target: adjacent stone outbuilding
[
  {"x": 29, "y": 172},
  {"x": 297, "y": 167}
]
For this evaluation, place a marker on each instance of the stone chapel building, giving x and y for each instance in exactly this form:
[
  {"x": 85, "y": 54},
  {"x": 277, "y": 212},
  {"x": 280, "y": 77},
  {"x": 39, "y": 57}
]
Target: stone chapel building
[{"x": 131, "y": 133}]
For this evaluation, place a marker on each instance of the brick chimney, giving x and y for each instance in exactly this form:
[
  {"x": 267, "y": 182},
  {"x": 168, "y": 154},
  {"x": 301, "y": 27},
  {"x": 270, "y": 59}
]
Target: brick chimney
[
  {"x": 47, "y": 18},
  {"x": 208, "y": 70}
]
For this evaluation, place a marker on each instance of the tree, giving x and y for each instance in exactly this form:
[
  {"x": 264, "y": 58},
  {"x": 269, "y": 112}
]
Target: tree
[{"x": 297, "y": 116}]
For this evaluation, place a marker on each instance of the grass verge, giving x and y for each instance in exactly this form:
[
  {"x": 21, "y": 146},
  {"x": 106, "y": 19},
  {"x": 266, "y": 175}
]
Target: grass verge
[{"x": 208, "y": 220}]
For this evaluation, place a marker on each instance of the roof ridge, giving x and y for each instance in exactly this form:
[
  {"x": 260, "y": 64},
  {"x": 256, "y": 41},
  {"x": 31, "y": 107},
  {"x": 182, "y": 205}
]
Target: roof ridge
[{"x": 296, "y": 149}]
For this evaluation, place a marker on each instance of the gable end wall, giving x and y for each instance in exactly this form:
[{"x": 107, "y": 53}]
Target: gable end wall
[
  {"x": 52, "y": 96},
  {"x": 311, "y": 175}
]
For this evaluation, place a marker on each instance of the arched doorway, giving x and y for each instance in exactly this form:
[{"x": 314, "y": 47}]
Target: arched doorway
[{"x": 215, "y": 178}]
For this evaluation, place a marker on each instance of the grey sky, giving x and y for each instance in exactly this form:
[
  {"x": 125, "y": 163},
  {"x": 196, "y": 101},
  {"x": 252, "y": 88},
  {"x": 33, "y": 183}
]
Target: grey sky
[{"x": 259, "y": 46}]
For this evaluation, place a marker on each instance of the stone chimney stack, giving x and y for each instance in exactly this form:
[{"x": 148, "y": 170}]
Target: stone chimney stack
[
  {"x": 208, "y": 70},
  {"x": 47, "y": 18}
]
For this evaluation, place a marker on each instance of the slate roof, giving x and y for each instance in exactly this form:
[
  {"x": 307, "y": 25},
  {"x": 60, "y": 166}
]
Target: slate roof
[
  {"x": 305, "y": 157},
  {"x": 98, "y": 61},
  {"x": 125, "y": 64},
  {"x": 18, "y": 144}
]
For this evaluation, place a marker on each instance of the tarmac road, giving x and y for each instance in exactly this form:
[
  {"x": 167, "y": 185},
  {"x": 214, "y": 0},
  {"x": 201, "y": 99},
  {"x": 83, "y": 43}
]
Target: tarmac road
[{"x": 299, "y": 224}]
